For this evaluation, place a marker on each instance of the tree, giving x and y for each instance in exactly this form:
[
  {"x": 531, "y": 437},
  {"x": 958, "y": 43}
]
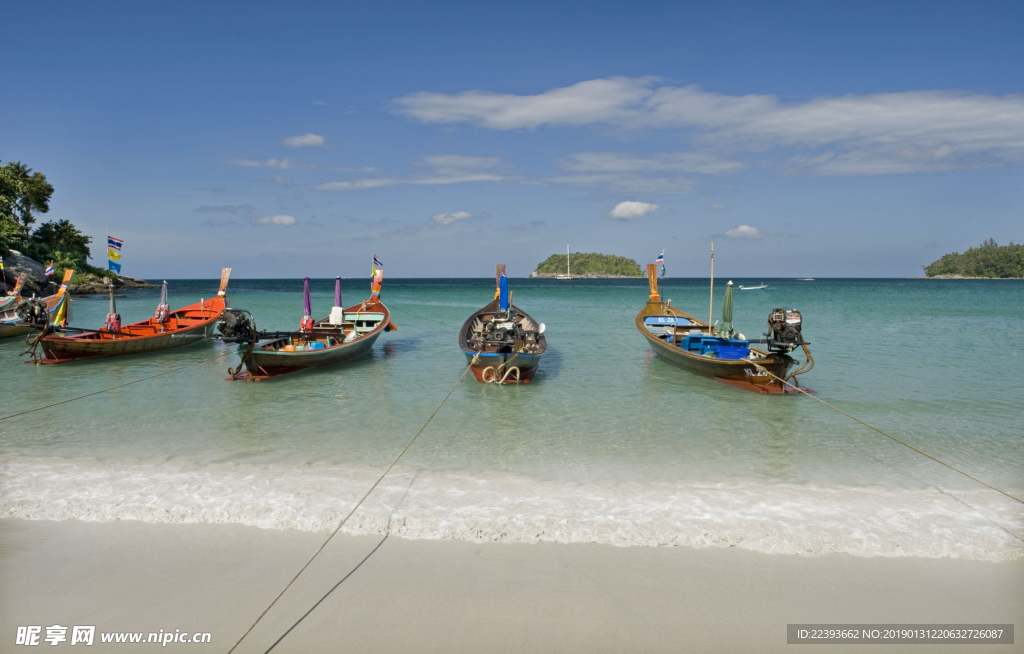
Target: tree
[
  {"x": 23, "y": 192},
  {"x": 64, "y": 236}
]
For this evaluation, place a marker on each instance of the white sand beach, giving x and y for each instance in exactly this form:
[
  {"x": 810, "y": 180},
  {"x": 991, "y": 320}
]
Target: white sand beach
[{"x": 456, "y": 596}]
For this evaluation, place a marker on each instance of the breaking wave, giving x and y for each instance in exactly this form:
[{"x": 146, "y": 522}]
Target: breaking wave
[{"x": 504, "y": 507}]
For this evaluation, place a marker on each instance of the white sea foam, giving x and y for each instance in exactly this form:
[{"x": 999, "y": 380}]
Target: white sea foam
[{"x": 771, "y": 518}]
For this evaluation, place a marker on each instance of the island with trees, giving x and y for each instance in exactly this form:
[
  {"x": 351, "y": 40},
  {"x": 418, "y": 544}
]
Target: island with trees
[
  {"x": 24, "y": 194},
  {"x": 589, "y": 265},
  {"x": 987, "y": 261}
]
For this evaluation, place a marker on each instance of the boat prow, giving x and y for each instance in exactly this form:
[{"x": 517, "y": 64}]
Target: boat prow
[{"x": 502, "y": 343}]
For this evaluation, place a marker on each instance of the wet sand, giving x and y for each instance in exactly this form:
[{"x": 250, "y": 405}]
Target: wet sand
[{"x": 457, "y": 596}]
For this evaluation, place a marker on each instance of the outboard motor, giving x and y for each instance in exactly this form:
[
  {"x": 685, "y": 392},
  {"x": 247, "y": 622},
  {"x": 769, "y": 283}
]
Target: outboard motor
[
  {"x": 32, "y": 312},
  {"x": 236, "y": 325},
  {"x": 501, "y": 332},
  {"x": 785, "y": 330}
]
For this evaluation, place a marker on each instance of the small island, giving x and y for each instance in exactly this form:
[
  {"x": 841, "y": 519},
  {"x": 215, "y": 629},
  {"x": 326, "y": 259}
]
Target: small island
[
  {"x": 588, "y": 265},
  {"x": 987, "y": 261}
]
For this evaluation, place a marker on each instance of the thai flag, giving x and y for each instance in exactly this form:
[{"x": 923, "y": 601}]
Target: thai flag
[
  {"x": 376, "y": 262},
  {"x": 49, "y": 270},
  {"x": 660, "y": 261},
  {"x": 114, "y": 243}
]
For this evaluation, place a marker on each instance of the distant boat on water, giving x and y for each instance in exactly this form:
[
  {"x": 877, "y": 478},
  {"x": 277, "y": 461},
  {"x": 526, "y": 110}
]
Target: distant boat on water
[
  {"x": 753, "y": 288},
  {"x": 567, "y": 277},
  {"x": 805, "y": 279}
]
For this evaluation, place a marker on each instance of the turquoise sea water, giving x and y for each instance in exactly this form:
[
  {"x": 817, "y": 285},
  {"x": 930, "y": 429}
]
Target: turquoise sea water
[{"x": 609, "y": 444}]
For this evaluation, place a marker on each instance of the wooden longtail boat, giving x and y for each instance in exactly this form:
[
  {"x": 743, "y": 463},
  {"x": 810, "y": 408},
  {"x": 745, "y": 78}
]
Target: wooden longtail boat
[
  {"x": 344, "y": 335},
  {"x": 502, "y": 343},
  {"x": 11, "y": 324},
  {"x": 171, "y": 329},
  {"x": 688, "y": 342}
]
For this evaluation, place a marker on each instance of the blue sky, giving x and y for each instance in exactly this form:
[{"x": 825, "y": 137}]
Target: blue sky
[{"x": 805, "y": 139}]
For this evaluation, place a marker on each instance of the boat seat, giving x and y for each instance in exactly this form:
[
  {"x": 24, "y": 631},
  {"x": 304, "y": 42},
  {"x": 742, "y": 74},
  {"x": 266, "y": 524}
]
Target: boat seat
[{"x": 364, "y": 317}]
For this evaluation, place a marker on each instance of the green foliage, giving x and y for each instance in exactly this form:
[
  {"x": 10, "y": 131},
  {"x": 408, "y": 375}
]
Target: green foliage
[
  {"x": 23, "y": 192},
  {"x": 12, "y": 236},
  {"x": 582, "y": 263},
  {"x": 987, "y": 260}
]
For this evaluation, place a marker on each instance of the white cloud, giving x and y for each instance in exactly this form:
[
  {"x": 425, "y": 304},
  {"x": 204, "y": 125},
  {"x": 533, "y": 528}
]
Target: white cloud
[
  {"x": 718, "y": 207},
  {"x": 601, "y": 100},
  {"x": 303, "y": 141},
  {"x": 444, "y": 169},
  {"x": 449, "y": 218},
  {"x": 685, "y": 162},
  {"x": 275, "y": 220},
  {"x": 744, "y": 231},
  {"x": 630, "y": 209},
  {"x": 356, "y": 184},
  {"x": 282, "y": 164},
  {"x": 642, "y": 174},
  {"x": 913, "y": 131}
]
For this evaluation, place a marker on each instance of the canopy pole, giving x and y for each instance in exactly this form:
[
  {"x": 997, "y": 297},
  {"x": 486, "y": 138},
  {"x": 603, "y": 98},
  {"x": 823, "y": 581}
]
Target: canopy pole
[{"x": 711, "y": 303}]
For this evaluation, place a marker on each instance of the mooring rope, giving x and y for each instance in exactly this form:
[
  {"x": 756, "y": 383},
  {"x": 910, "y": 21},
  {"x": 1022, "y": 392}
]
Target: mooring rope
[
  {"x": 410, "y": 313},
  {"x": 354, "y": 508},
  {"x": 159, "y": 374},
  {"x": 893, "y": 438}
]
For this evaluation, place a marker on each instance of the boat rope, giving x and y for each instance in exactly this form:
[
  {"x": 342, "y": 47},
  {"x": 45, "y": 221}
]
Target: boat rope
[
  {"x": 357, "y": 505},
  {"x": 497, "y": 376},
  {"x": 80, "y": 397},
  {"x": 414, "y": 315},
  {"x": 893, "y": 438}
]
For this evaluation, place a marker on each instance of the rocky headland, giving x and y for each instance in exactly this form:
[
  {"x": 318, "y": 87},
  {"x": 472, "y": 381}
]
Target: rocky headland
[{"x": 37, "y": 283}]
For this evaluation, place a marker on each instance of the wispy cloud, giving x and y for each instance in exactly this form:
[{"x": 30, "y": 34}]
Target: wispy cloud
[
  {"x": 744, "y": 231},
  {"x": 442, "y": 169},
  {"x": 247, "y": 214},
  {"x": 282, "y": 164},
  {"x": 279, "y": 219},
  {"x": 630, "y": 209},
  {"x": 718, "y": 207},
  {"x": 643, "y": 174},
  {"x": 884, "y": 133},
  {"x": 449, "y": 218},
  {"x": 753, "y": 233},
  {"x": 245, "y": 209},
  {"x": 303, "y": 141},
  {"x": 683, "y": 162}
]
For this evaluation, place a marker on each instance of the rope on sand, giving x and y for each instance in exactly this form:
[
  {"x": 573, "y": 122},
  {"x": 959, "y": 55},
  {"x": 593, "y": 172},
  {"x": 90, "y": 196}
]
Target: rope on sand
[
  {"x": 893, "y": 438},
  {"x": 354, "y": 508}
]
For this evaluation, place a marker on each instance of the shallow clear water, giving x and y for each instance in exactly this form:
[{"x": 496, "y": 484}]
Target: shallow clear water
[{"x": 609, "y": 444}]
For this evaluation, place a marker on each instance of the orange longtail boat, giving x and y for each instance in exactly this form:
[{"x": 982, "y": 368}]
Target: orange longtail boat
[
  {"x": 20, "y": 315},
  {"x": 166, "y": 330}
]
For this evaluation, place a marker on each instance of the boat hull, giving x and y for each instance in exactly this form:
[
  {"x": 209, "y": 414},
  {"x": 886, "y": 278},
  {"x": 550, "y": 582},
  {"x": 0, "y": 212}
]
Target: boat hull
[
  {"x": 488, "y": 364},
  {"x": 262, "y": 365},
  {"x": 741, "y": 373},
  {"x": 8, "y": 330},
  {"x": 135, "y": 338},
  {"x": 267, "y": 359},
  {"x": 493, "y": 367}
]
